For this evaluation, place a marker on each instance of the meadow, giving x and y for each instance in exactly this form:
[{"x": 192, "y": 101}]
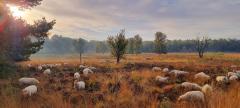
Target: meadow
[{"x": 129, "y": 84}]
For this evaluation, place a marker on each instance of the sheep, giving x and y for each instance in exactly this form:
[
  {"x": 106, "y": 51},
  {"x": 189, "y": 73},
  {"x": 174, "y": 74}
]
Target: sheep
[
  {"x": 30, "y": 90},
  {"x": 28, "y": 81},
  {"x": 86, "y": 71},
  {"x": 201, "y": 77},
  {"x": 165, "y": 70},
  {"x": 178, "y": 74},
  {"x": 155, "y": 69},
  {"x": 207, "y": 89},
  {"x": 82, "y": 66},
  {"x": 233, "y": 78},
  {"x": 29, "y": 65},
  {"x": 79, "y": 85},
  {"x": 221, "y": 78},
  {"x": 47, "y": 72},
  {"x": 190, "y": 86},
  {"x": 161, "y": 79},
  {"x": 76, "y": 75},
  {"x": 193, "y": 96},
  {"x": 229, "y": 74},
  {"x": 40, "y": 68},
  {"x": 92, "y": 68}
]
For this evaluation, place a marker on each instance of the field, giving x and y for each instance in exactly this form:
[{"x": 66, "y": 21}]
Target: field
[{"x": 130, "y": 84}]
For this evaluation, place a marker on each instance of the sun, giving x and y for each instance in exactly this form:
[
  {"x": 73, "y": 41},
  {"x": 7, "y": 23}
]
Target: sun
[{"x": 16, "y": 12}]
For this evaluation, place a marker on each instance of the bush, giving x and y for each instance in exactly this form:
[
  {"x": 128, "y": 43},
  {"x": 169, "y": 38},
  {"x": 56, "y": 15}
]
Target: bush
[{"x": 7, "y": 69}]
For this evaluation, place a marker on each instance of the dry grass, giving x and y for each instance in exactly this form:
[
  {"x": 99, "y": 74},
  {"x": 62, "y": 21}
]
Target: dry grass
[{"x": 127, "y": 85}]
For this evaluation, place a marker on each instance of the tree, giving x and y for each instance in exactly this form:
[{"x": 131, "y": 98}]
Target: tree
[
  {"x": 201, "y": 45},
  {"x": 22, "y": 39},
  {"x": 79, "y": 46},
  {"x": 130, "y": 46},
  {"x": 118, "y": 45},
  {"x": 160, "y": 43},
  {"x": 101, "y": 47},
  {"x": 137, "y": 44}
]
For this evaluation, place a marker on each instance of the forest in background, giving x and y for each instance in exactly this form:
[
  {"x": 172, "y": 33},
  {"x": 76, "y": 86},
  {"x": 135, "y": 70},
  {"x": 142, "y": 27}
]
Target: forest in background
[{"x": 64, "y": 45}]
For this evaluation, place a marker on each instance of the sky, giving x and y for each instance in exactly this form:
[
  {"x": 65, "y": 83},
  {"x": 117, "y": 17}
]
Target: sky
[{"x": 178, "y": 19}]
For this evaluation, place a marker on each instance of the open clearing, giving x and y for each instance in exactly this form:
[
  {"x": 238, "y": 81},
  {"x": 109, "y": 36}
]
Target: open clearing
[{"x": 130, "y": 84}]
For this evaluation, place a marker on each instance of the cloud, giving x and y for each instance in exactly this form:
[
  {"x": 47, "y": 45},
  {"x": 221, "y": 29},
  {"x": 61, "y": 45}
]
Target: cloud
[{"x": 179, "y": 19}]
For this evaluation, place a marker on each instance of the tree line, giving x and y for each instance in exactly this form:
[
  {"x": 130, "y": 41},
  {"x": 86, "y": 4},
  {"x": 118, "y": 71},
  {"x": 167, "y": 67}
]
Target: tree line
[{"x": 64, "y": 45}]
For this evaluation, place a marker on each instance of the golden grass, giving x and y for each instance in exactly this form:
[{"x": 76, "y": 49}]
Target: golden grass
[{"x": 137, "y": 87}]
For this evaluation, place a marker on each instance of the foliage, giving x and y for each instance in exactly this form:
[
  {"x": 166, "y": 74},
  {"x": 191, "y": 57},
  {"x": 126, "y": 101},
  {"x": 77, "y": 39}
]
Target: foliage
[
  {"x": 79, "y": 46},
  {"x": 201, "y": 45},
  {"x": 137, "y": 44},
  {"x": 160, "y": 43},
  {"x": 131, "y": 45},
  {"x": 118, "y": 45},
  {"x": 101, "y": 47},
  {"x": 22, "y": 39}
]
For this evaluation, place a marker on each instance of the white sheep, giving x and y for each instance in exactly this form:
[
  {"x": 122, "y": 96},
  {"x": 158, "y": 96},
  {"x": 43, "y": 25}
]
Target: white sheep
[
  {"x": 233, "y": 78},
  {"x": 29, "y": 65},
  {"x": 92, "y": 68},
  {"x": 82, "y": 66},
  {"x": 29, "y": 81},
  {"x": 162, "y": 79},
  {"x": 156, "y": 69},
  {"x": 207, "y": 89},
  {"x": 178, "y": 73},
  {"x": 86, "y": 71},
  {"x": 47, "y": 72},
  {"x": 79, "y": 85},
  {"x": 165, "y": 70},
  {"x": 192, "y": 96},
  {"x": 39, "y": 67},
  {"x": 221, "y": 78},
  {"x": 229, "y": 74},
  {"x": 201, "y": 77},
  {"x": 30, "y": 90},
  {"x": 76, "y": 75},
  {"x": 191, "y": 86}
]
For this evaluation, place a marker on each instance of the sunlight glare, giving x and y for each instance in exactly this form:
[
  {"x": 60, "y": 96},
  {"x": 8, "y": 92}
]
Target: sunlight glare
[{"x": 16, "y": 12}]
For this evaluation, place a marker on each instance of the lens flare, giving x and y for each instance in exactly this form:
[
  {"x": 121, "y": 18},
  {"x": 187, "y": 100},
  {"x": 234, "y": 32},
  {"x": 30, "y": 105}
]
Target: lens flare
[{"x": 16, "y": 12}]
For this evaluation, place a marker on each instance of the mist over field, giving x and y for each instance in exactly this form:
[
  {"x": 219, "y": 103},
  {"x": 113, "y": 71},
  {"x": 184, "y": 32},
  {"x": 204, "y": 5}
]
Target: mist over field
[{"x": 119, "y": 54}]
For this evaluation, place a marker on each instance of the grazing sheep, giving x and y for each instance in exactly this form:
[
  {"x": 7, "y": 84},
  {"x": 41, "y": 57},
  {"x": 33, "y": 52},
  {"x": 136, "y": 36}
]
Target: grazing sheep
[
  {"x": 233, "y": 78},
  {"x": 47, "y": 72},
  {"x": 229, "y": 74},
  {"x": 86, "y": 71},
  {"x": 29, "y": 65},
  {"x": 40, "y": 68},
  {"x": 190, "y": 86},
  {"x": 201, "y": 77},
  {"x": 29, "y": 81},
  {"x": 30, "y": 90},
  {"x": 82, "y": 66},
  {"x": 207, "y": 89},
  {"x": 161, "y": 79},
  {"x": 76, "y": 75},
  {"x": 79, "y": 85},
  {"x": 92, "y": 68},
  {"x": 192, "y": 96},
  {"x": 178, "y": 73},
  {"x": 165, "y": 70},
  {"x": 221, "y": 79},
  {"x": 156, "y": 69}
]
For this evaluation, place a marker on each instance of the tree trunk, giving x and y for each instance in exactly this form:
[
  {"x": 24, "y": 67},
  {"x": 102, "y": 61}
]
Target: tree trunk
[
  {"x": 118, "y": 59},
  {"x": 200, "y": 54},
  {"x": 80, "y": 58}
]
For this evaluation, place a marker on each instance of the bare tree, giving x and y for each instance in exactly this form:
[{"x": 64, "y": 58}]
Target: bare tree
[
  {"x": 201, "y": 45},
  {"x": 118, "y": 45},
  {"x": 79, "y": 46}
]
